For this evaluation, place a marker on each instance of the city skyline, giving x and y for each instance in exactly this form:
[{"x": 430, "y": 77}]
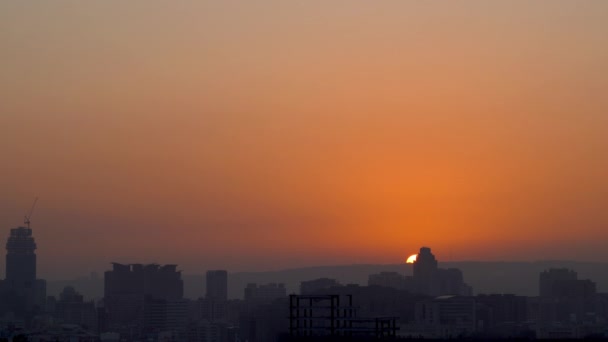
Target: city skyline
[
  {"x": 148, "y": 301},
  {"x": 221, "y": 135},
  {"x": 407, "y": 263},
  {"x": 294, "y": 171}
]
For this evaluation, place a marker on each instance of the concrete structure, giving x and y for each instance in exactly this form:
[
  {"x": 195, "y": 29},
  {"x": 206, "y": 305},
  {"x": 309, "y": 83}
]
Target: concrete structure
[
  {"x": 502, "y": 315},
  {"x": 265, "y": 293},
  {"x": 446, "y": 317},
  {"x": 564, "y": 300},
  {"x": 217, "y": 285},
  {"x": 314, "y": 316},
  {"x": 136, "y": 297},
  {"x": 215, "y": 305},
  {"x": 564, "y": 283},
  {"x": 21, "y": 257},
  {"x": 387, "y": 279},
  {"x": 430, "y": 280},
  {"x": 21, "y": 292},
  {"x": 312, "y": 286},
  {"x": 71, "y": 308}
]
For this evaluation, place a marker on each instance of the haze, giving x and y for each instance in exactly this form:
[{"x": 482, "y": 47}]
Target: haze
[{"x": 260, "y": 135}]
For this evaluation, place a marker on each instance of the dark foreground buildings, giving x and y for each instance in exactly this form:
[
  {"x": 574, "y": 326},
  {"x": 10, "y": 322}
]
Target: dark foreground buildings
[{"x": 144, "y": 299}]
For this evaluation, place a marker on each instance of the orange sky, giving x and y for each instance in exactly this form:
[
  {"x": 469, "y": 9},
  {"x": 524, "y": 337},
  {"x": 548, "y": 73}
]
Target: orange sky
[{"x": 272, "y": 134}]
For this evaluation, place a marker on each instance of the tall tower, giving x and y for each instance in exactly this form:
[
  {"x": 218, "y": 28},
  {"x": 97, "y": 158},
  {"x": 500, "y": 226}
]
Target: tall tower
[
  {"x": 425, "y": 266},
  {"x": 426, "y": 273},
  {"x": 21, "y": 258},
  {"x": 21, "y": 292},
  {"x": 217, "y": 295},
  {"x": 217, "y": 285}
]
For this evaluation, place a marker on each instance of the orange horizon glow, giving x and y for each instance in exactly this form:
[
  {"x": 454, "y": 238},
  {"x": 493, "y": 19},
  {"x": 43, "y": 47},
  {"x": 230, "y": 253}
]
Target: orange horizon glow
[{"x": 273, "y": 134}]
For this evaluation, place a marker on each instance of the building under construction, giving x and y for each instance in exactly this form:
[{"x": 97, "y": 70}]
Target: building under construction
[
  {"x": 316, "y": 316},
  {"x": 21, "y": 292}
]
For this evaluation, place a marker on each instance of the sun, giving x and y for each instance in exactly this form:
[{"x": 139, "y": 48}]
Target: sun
[{"x": 411, "y": 259}]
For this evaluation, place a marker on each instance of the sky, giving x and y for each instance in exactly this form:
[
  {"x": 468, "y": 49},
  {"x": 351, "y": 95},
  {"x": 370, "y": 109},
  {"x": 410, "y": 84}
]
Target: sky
[{"x": 263, "y": 135}]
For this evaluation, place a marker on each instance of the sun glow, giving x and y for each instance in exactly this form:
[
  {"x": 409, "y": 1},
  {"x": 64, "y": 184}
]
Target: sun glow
[{"x": 411, "y": 259}]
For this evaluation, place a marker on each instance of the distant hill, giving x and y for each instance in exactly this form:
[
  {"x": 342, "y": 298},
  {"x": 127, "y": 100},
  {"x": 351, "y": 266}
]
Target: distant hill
[{"x": 486, "y": 277}]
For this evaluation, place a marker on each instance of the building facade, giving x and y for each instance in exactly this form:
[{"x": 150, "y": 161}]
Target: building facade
[
  {"x": 21, "y": 292},
  {"x": 137, "y": 297},
  {"x": 217, "y": 285}
]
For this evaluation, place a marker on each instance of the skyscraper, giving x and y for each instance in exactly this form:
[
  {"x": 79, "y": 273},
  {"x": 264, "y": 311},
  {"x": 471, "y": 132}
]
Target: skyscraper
[
  {"x": 217, "y": 285},
  {"x": 216, "y": 301},
  {"x": 425, "y": 266},
  {"x": 21, "y": 257},
  {"x": 431, "y": 280},
  {"x": 22, "y": 293},
  {"x": 136, "y": 296}
]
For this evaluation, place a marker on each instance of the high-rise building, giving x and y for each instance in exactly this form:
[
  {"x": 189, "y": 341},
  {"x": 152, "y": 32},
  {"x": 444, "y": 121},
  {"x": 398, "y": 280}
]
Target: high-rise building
[
  {"x": 563, "y": 298},
  {"x": 264, "y": 293},
  {"x": 21, "y": 291},
  {"x": 500, "y": 310},
  {"x": 71, "y": 308},
  {"x": 562, "y": 282},
  {"x": 313, "y": 286},
  {"x": 431, "y": 280},
  {"x": 21, "y": 257},
  {"x": 425, "y": 266},
  {"x": 163, "y": 282},
  {"x": 136, "y": 296},
  {"x": 387, "y": 279},
  {"x": 217, "y": 285},
  {"x": 446, "y": 316},
  {"x": 215, "y": 305}
]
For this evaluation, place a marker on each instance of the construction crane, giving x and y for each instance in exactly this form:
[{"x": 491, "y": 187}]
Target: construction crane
[{"x": 28, "y": 215}]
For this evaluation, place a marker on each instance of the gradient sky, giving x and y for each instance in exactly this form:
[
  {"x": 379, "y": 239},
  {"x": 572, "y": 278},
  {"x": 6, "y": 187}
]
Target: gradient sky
[{"x": 258, "y": 135}]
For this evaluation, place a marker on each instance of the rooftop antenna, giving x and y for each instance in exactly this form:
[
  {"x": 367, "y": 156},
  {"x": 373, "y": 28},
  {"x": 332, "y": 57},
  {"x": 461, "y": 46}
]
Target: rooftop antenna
[{"x": 28, "y": 215}]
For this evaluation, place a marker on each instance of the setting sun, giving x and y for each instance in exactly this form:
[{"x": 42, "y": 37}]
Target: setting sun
[{"x": 411, "y": 259}]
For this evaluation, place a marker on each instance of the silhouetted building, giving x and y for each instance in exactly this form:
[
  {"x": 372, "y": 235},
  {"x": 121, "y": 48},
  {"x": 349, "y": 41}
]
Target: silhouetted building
[
  {"x": 215, "y": 304},
  {"x": 314, "y": 316},
  {"x": 502, "y": 315},
  {"x": 425, "y": 266},
  {"x": 451, "y": 281},
  {"x": 564, "y": 283},
  {"x": 205, "y": 331},
  {"x": 21, "y": 257},
  {"x": 217, "y": 285},
  {"x": 213, "y": 310},
  {"x": 203, "y": 326},
  {"x": 136, "y": 296},
  {"x": 313, "y": 286},
  {"x": 264, "y": 322},
  {"x": 375, "y": 301},
  {"x": 21, "y": 292},
  {"x": 163, "y": 282},
  {"x": 177, "y": 314},
  {"x": 446, "y": 317},
  {"x": 264, "y": 293},
  {"x": 430, "y": 280},
  {"x": 564, "y": 299},
  {"x": 387, "y": 279},
  {"x": 505, "y": 307},
  {"x": 71, "y": 308}
]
